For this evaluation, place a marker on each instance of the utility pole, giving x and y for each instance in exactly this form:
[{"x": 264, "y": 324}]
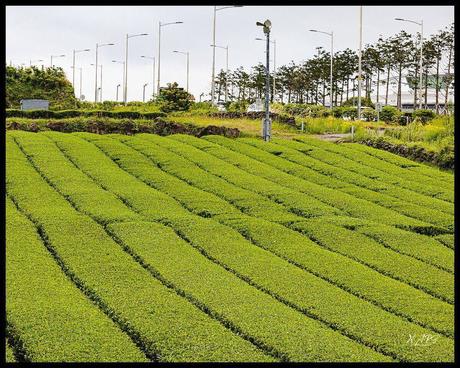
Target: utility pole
[
  {"x": 359, "y": 59},
  {"x": 159, "y": 51},
  {"x": 331, "y": 34},
  {"x": 266, "y": 131}
]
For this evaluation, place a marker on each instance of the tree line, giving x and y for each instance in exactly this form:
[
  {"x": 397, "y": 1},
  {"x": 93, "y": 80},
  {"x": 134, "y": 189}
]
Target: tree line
[{"x": 393, "y": 61}]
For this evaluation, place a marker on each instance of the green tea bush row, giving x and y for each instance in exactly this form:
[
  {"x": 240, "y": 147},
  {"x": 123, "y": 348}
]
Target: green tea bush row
[
  {"x": 363, "y": 249},
  {"x": 228, "y": 295},
  {"x": 159, "y": 315},
  {"x": 109, "y": 126},
  {"x": 310, "y": 186},
  {"x": 122, "y": 183},
  {"x": 206, "y": 294},
  {"x": 54, "y": 331},
  {"x": 301, "y": 157},
  {"x": 63, "y": 114},
  {"x": 446, "y": 239},
  {"x": 311, "y": 182},
  {"x": 390, "y": 175},
  {"x": 237, "y": 176},
  {"x": 9, "y": 354}
]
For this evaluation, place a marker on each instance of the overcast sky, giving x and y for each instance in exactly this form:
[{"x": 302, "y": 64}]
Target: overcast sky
[{"x": 37, "y": 32}]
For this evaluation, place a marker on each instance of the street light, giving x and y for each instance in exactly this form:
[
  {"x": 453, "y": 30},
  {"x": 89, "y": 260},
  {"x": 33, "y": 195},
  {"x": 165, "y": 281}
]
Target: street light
[
  {"x": 159, "y": 49},
  {"x": 125, "y": 94},
  {"x": 81, "y": 79},
  {"x": 95, "y": 79},
  {"x": 188, "y": 54},
  {"x": 100, "y": 88},
  {"x": 143, "y": 92},
  {"x": 35, "y": 61},
  {"x": 226, "y": 79},
  {"x": 123, "y": 81},
  {"x": 116, "y": 98},
  {"x": 73, "y": 65},
  {"x": 274, "y": 65},
  {"x": 421, "y": 55},
  {"x": 55, "y": 56},
  {"x": 266, "y": 131},
  {"x": 332, "y": 55},
  {"x": 153, "y": 72},
  {"x": 216, "y": 9}
]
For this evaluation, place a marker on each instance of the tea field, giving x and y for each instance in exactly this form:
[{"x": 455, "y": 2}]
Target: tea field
[{"x": 147, "y": 248}]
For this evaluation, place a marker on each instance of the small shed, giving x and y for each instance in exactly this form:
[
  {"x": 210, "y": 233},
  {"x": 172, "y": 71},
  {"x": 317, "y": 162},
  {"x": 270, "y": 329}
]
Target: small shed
[{"x": 35, "y": 104}]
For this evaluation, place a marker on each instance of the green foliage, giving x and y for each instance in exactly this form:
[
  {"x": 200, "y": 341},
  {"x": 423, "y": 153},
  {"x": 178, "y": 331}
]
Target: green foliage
[
  {"x": 63, "y": 114},
  {"x": 365, "y": 102},
  {"x": 238, "y": 106},
  {"x": 34, "y": 83},
  {"x": 369, "y": 114},
  {"x": 291, "y": 217},
  {"x": 173, "y": 98},
  {"x": 34, "y": 283},
  {"x": 390, "y": 114},
  {"x": 423, "y": 115}
]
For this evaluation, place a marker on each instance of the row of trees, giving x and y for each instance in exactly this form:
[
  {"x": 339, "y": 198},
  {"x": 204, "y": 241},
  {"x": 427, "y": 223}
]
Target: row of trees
[{"x": 386, "y": 64}]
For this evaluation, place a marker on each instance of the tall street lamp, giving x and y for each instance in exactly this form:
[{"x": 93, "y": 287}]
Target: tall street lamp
[
  {"x": 125, "y": 94},
  {"x": 266, "y": 131},
  {"x": 143, "y": 92},
  {"x": 100, "y": 88},
  {"x": 360, "y": 60},
  {"x": 216, "y": 9},
  {"x": 73, "y": 64},
  {"x": 332, "y": 56},
  {"x": 159, "y": 50},
  {"x": 421, "y": 55},
  {"x": 274, "y": 65},
  {"x": 55, "y": 56},
  {"x": 123, "y": 80},
  {"x": 116, "y": 98},
  {"x": 226, "y": 63},
  {"x": 81, "y": 79},
  {"x": 187, "y": 54},
  {"x": 35, "y": 61},
  {"x": 95, "y": 78},
  {"x": 153, "y": 72}
]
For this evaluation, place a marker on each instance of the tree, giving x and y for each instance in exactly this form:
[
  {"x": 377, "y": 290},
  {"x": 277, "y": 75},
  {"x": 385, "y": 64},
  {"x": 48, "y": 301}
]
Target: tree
[
  {"x": 173, "y": 98},
  {"x": 35, "y": 83}
]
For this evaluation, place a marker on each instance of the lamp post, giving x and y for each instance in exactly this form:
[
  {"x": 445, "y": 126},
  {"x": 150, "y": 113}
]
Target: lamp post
[
  {"x": 73, "y": 64},
  {"x": 360, "y": 60},
  {"x": 143, "y": 92},
  {"x": 266, "y": 131},
  {"x": 332, "y": 57},
  {"x": 226, "y": 79},
  {"x": 123, "y": 80},
  {"x": 55, "y": 56},
  {"x": 95, "y": 78},
  {"x": 159, "y": 49},
  {"x": 99, "y": 88},
  {"x": 153, "y": 72},
  {"x": 216, "y": 9},
  {"x": 421, "y": 56},
  {"x": 125, "y": 94},
  {"x": 274, "y": 66},
  {"x": 35, "y": 61},
  {"x": 81, "y": 81},
  {"x": 187, "y": 54},
  {"x": 118, "y": 85}
]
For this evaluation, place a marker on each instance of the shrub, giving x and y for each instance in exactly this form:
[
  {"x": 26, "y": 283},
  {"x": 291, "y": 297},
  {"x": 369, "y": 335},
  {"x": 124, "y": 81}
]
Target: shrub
[
  {"x": 369, "y": 114},
  {"x": 173, "y": 98},
  {"x": 390, "y": 114},
  {"x": 424, "y": 115}
]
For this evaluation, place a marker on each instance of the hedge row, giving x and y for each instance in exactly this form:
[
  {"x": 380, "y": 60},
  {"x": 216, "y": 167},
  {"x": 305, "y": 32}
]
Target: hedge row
[
  {"x": 155, "y": 314},
  {"x": 281, "y": 118},
  {"x": 189, "y": 259},
  {"x": 330, "y": 191},
  {"x": 376, "y": 166},
  {"x": 298, "y": 153},
  {"x": 399, "y": 266},
  {"x": 63, "y": 114},
  {"x": 54, "y": 331},
  {"x": 105, "y": 171},
  {"x": 122, "y": 126},
  {"x": 444, "y": 160},
  {"x": 380, "y": 177}
]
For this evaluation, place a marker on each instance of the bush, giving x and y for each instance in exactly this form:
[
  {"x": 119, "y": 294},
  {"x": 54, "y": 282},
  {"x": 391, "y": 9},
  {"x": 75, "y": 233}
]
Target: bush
[
  {"x": 424, "y": 115},
  {"x": 365, "y": 102},
  {"x": 369, "y": 114},
  {"x": 390, "y": 114},
  {"x": 238, "y": 106},
  {"x": 173, "y": 98},
  {"x": 63, "y": 114}
]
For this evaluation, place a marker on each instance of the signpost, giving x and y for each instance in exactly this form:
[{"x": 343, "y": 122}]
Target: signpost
[{"x": 378, "y": 108}]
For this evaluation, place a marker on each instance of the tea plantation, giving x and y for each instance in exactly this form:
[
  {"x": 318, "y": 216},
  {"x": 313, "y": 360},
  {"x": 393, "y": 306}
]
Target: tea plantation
[{"x": 167, "y": 249}]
